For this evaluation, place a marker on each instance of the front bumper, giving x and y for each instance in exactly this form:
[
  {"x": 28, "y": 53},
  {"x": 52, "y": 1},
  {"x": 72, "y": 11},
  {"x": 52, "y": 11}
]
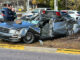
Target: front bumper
[{"x": 10, "y": 37}]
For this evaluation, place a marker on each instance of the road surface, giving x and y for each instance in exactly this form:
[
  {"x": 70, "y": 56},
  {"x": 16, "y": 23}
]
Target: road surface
[{"x": 7, "y": 54}]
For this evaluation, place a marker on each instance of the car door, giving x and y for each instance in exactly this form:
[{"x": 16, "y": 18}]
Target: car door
[
  {"x": 44, "y": 27},
  {"x": 59, "y": 27}
]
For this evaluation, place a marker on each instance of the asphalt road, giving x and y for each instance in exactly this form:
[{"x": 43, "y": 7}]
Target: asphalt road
[{"x": 7, "y": 54}]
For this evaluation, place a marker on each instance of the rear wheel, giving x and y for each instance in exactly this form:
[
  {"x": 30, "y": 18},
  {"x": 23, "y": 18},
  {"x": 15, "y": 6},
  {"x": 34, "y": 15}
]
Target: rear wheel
[{"x": 29, "y": 38}]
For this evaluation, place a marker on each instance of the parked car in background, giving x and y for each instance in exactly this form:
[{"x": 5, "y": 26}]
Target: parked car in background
[
  {"x": 34, "y": 11},
  {"x": 63, "y": 13},
  {"x": 32, "y": 14},
  {"x": 73, "y": 13}
]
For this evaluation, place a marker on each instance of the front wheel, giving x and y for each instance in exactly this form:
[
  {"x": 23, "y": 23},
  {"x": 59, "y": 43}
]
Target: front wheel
[{"x": 29, "y": 38}]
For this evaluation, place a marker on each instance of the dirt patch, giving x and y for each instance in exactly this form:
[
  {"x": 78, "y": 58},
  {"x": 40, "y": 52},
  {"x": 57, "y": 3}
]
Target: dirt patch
[{"x": 71, "y": 42}]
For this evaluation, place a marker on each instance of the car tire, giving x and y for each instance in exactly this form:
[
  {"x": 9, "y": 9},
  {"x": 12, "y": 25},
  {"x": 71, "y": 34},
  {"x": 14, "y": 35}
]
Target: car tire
[{"x": 29, "y": 38}]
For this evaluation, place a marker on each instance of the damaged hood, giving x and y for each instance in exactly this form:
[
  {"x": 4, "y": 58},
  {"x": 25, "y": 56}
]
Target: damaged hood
[{"x": 14, "y": 25}]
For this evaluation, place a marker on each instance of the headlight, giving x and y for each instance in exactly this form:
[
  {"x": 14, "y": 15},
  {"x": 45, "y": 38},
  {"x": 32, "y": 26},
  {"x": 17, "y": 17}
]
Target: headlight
[{"x": 14, "y": 32}]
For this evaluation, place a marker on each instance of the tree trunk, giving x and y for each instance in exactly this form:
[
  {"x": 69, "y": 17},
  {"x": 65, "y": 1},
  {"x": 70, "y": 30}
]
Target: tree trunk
[{"x": 25, "y": 3}]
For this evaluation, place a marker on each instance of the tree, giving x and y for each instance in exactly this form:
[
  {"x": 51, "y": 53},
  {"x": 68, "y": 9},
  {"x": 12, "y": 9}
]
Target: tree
[
  {"x": 40, "y": 1},
  {"x": 34, "y": 2},
  {"x": 52, "y": 4},
  {"x": 43, "y": 3}
]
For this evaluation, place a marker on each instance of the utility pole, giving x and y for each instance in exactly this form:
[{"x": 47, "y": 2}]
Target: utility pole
[
  {"x": 27, "y": 5},
  {"x": 17, "y": 4},
  {"x": 66, "y": 4},
  {"x": 76, "y": 4},
  {"x": 56, "y": 5}
]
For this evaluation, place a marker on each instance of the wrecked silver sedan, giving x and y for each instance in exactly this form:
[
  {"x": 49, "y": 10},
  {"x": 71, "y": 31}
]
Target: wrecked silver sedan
[{"x": 47, "y": 24}]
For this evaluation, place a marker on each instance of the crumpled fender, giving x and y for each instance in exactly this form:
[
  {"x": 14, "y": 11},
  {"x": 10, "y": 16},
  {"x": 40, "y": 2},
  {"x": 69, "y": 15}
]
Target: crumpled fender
[{"x": 24, "y": 31}]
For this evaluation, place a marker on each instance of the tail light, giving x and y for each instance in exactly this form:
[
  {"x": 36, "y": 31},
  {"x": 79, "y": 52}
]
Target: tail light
[
  {"x": 58, "y": 14},
  {"x": 43, "y": 11},
  {"x": 2, "y": 14}
]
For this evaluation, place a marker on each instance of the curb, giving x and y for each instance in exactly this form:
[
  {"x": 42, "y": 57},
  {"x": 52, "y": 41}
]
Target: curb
[
  {"x": 52, "y": 50},
  {"x": 68, "y": 51},
  {"x": 40, "y": 49},
  {"x": 12, "y": 46}
]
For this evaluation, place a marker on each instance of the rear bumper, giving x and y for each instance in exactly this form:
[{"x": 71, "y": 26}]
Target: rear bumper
[{"x": 10, "y": 37}]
